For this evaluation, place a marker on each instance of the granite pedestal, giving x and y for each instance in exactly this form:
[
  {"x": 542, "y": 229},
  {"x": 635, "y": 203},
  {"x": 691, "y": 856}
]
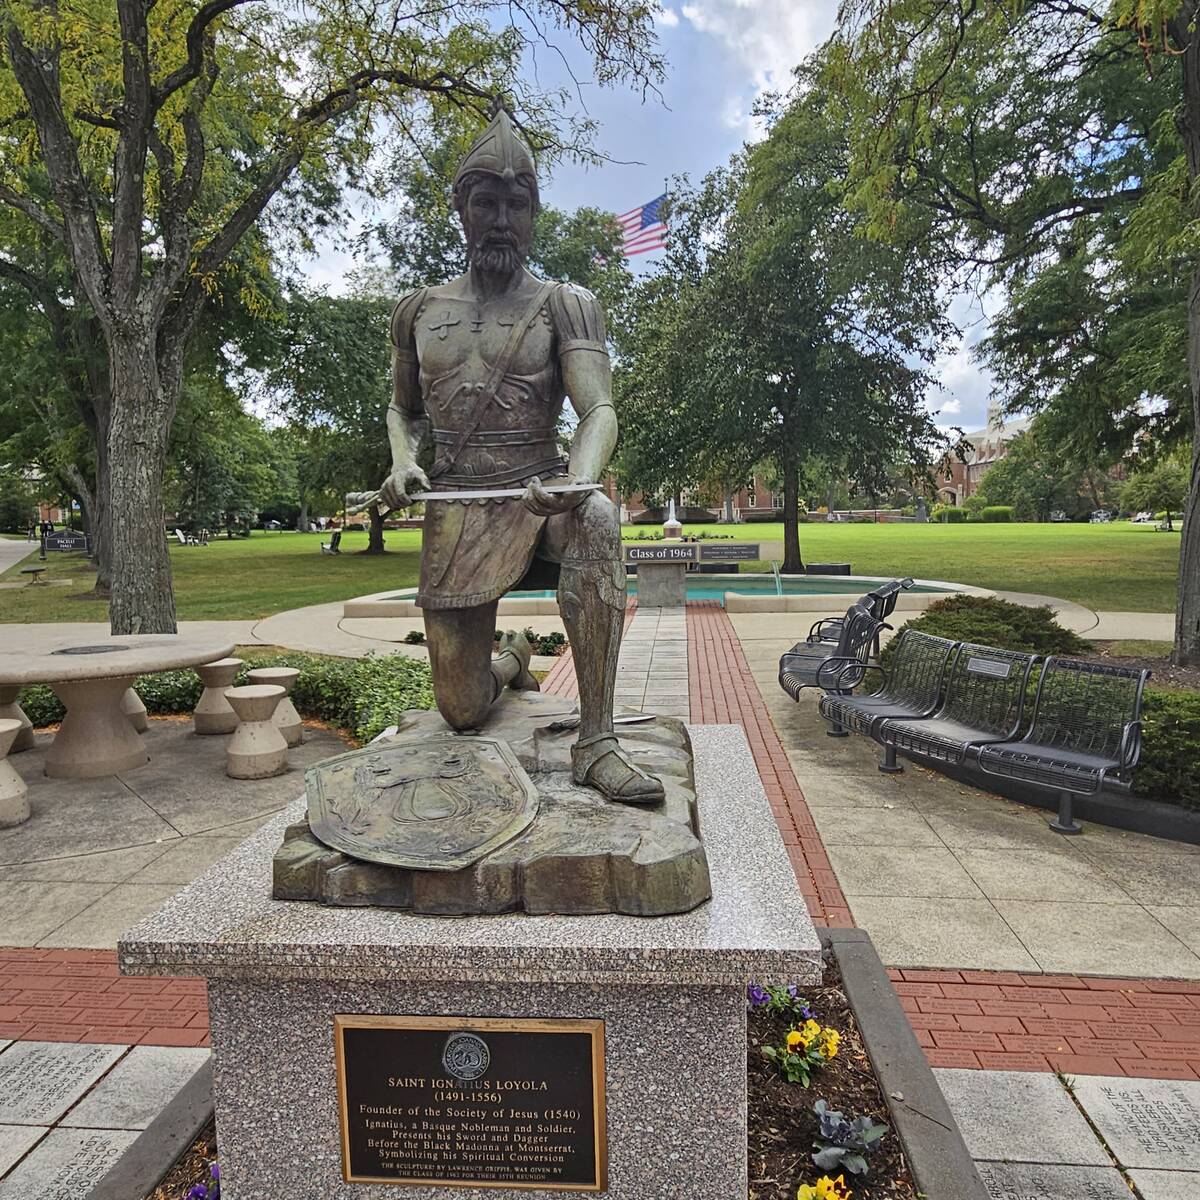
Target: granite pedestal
[
  {"x": 670, "y": 990},
  {"x": 662, "y": 584}
]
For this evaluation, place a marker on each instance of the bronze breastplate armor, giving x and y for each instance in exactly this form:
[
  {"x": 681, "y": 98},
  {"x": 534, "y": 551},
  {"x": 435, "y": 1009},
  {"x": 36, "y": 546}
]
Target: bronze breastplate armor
[{"x": 457, "y": 343}]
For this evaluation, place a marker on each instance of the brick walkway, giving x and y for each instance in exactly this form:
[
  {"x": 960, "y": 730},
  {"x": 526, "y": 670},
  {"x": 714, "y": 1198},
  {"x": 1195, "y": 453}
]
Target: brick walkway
[
  {"x": 77, "y": 996},
  {"x": 1084, "y": 1025}
]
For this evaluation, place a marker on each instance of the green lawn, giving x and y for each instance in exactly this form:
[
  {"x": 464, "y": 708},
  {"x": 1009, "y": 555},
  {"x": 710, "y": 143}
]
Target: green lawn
[{"x": 1118, "y": 566}]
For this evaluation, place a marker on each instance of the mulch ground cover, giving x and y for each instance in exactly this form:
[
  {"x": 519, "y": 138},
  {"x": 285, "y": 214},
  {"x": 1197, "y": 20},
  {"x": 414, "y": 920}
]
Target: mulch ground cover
[
  {"x": 1163, "y": 672},
  {"x": 782, "y": 1123},
  {"x": 191, "y": 1169}
]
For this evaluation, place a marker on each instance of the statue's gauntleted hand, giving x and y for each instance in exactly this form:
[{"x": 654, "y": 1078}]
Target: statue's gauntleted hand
[
  {"x": 549, "y": 504},
  {"x": 404, "y": 478}
]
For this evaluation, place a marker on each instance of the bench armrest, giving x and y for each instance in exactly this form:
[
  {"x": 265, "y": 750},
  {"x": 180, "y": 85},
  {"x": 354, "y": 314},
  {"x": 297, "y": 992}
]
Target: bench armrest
[
  {"x": 817, "y": 632},
  {"x": 1131, "y": 745},
  {"x": 841, "y": 666}
]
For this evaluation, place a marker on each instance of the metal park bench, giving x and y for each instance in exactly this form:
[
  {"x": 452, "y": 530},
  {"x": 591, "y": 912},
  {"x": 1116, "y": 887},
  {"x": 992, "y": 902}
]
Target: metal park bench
[
  {"x": 983, "y": 703},
  {"x": 332, "y": 546},
  {"x": 1086, "y": 732},
  {"x": 836, "y": 667},
  {"x": 911, "y": 688},
  {"x": 880, "y": 602}
]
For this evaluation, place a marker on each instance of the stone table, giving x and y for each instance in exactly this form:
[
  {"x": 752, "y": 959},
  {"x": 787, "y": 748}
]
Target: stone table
[{"x": 90, "y": 676}]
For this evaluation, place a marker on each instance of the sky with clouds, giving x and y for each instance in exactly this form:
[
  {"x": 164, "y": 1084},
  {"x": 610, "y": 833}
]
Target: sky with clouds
[{"x": 721, "y": 55}]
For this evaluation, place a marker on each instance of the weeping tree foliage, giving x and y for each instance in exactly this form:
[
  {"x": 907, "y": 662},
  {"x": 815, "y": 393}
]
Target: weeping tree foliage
[
  {"x": 1058, "y": 144},
  {"x": 776, "y": 332},
  {"x": 145, "y": 140}
]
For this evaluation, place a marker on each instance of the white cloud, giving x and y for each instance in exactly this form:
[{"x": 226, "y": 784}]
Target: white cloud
[
  {"x": 668, "y": 18},
  {"x": 768, "y": 37},
  {"x": 951, "y": 408}
]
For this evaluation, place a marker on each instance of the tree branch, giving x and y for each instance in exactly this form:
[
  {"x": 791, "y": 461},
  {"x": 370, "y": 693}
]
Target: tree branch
[
  {"x": 38, "y": 77},
  {"x": 34, "y": 211},
  {"x": 129, "y": 162},
  {"x": 197, "y": 32}
]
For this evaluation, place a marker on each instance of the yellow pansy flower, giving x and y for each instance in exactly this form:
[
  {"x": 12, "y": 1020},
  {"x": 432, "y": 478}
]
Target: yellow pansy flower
[
  {"x": 831, "y": 1039},
  {"x": 794, "y": 1039},
  {"x": 825, "y": 1189}
]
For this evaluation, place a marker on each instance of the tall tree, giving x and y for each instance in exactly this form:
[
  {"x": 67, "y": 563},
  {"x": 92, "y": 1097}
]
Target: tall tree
[
  {"x": 781, "y": 333},
  {"x": 335, "y": 379},
  {"x": 1059, "y": 142},
  {"x": 146, "y": 139}
]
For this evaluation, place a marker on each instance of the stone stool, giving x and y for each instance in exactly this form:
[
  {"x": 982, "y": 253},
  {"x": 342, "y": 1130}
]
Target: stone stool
[
  {"x": 286, "y": 719},
  {"x": 212, "y": 713},
  {"x": 135, "y": 710},
  {"x": 11, "y": 710},
  {"x": 14, "y": 795},
  {"x": 257, "y": 749}
]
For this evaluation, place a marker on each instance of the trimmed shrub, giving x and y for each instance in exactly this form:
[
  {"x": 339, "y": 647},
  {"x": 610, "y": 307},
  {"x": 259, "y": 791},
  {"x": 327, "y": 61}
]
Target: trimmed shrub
[
  {"x": 360, "y": 695},
  {"x": 994, "y": 622},
  {"x": 767, "y": 518},
  {"x": 1169, "y": 769},
  {"x": 996, "y": 512},
  {"x": 949, "y": 514}
]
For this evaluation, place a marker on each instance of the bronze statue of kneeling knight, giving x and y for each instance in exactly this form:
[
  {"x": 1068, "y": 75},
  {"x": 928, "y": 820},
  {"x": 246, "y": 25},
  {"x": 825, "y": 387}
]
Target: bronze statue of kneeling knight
[{"x": 481, "y": 367}]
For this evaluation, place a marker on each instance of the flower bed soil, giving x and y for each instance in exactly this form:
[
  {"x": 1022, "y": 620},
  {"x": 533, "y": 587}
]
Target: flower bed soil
[
  {"x": 781, "y": 1121},
  {"x": 191, "y": 1169},
  {"x": 782, "y": 1124}
]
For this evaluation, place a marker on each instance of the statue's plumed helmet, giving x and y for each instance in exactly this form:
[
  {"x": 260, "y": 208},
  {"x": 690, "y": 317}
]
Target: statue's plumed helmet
[{"x": 498, "y": 152}]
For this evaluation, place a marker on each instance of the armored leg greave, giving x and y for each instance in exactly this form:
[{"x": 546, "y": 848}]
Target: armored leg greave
[{"x": 591, "y": 598}]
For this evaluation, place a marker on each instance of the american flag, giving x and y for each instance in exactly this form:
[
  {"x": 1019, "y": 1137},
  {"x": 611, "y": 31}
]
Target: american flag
[{"x": 643, "y": 228}]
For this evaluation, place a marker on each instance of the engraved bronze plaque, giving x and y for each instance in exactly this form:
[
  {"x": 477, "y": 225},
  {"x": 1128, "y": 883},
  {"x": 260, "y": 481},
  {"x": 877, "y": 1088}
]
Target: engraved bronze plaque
[
  {"x": 482, "y": 1102},
  {"x": 427, "y": 803}
]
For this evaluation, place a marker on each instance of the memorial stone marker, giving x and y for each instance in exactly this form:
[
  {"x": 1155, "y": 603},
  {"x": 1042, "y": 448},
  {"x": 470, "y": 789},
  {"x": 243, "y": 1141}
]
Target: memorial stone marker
[
  {"x": 1146, "y": 1122},
  {"x": 39, "y": 1081},
  {"x": 1040, "y": 1181}
]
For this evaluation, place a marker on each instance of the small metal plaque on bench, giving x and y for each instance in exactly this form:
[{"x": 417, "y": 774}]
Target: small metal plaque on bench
[
  {"x": 989, "y": 666},
  {"x": 481, "y": 1102}
]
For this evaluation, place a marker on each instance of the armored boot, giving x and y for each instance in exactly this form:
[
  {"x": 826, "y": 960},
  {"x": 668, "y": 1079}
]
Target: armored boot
[
  {"x": 510, "y": 667},
  {"x": 591, "y": 598}
]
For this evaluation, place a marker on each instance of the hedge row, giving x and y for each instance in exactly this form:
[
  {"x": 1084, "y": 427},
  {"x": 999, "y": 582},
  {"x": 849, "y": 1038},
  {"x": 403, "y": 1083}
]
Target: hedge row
[
  {"x": 360, "y": 695},
  {"x": 1169, "y": 769}
]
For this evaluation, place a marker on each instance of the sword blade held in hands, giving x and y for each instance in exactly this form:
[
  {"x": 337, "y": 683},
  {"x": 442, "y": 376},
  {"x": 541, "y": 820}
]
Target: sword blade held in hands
[
  {"x": 357, "y": 501},
  {"x": 555, "y": 489}
]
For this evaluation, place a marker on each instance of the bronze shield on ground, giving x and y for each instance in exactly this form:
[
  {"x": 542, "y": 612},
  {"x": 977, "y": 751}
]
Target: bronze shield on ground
[{"x": 428, "y": 803}]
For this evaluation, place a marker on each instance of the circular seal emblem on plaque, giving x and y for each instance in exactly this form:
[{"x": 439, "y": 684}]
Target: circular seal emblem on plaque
[{"x": 466, "y": 1056}]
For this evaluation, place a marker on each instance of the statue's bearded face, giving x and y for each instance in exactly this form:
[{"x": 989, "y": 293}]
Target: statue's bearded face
[{"x": 498, "y": 221}]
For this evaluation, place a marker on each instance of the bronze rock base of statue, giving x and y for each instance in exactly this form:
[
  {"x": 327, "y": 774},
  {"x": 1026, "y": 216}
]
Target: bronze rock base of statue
[{"x": 448, "y": 801}]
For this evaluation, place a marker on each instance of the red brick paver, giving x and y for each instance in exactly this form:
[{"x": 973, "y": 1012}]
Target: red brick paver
[
  {"x": 723, "y": 692},
  {"x": 78, "y": 996},
  {"x": 1086, "y": 1025}
]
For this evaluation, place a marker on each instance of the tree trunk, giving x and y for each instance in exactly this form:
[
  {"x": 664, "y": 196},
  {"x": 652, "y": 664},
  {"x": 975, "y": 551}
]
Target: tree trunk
[
  {"x": 375, "y": 541},
  {"x": 102, "y": 551},
  {"x": 302, "y": 522},
  {"x": 728, "y": 518},
  {"x": 1187, "y": 609},
  {"x": 142, "y": 597},
  {"x": 792, "y": 562}
]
